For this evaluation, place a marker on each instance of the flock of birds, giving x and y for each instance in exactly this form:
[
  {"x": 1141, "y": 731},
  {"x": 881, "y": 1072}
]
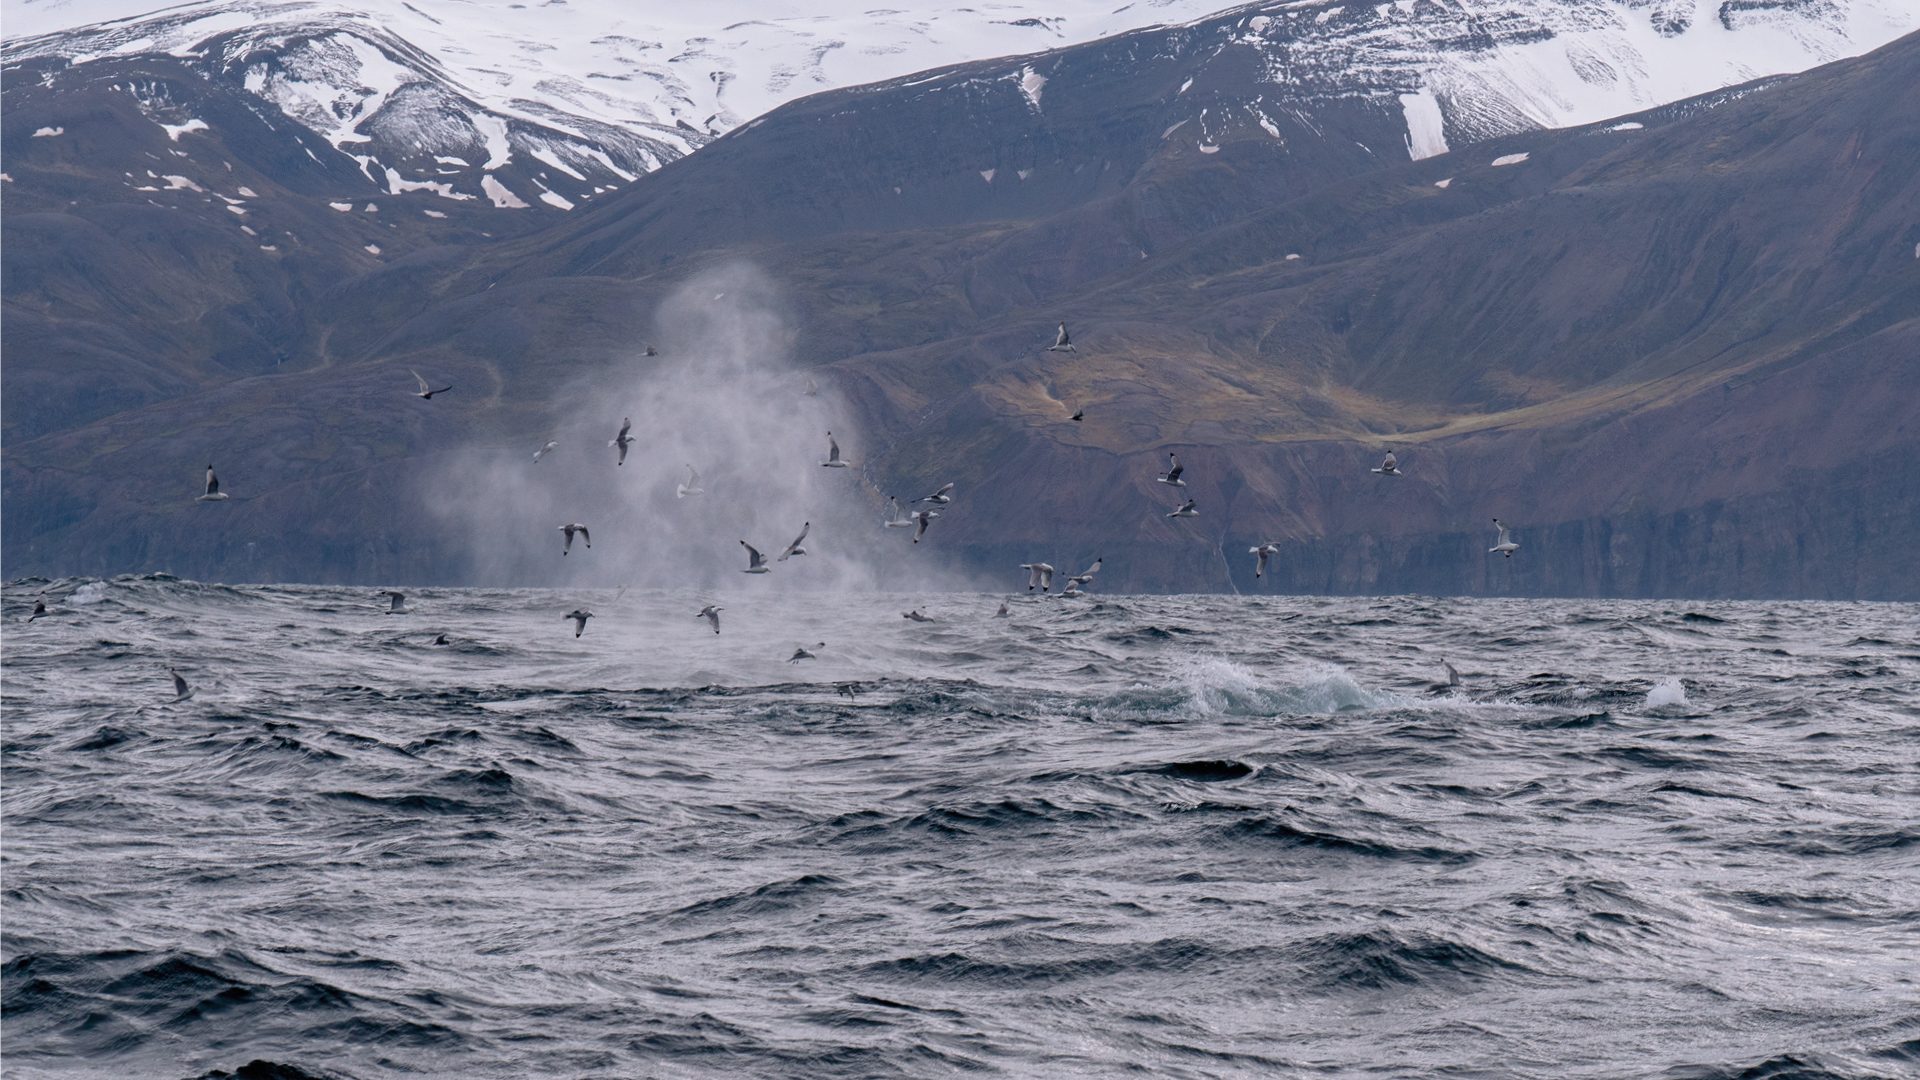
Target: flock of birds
[{"x": 1039, "y": 574}]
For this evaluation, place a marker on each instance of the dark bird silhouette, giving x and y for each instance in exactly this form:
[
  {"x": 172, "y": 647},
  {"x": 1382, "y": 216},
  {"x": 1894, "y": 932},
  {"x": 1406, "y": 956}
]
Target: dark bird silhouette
[{"x": 425, "y": 391}]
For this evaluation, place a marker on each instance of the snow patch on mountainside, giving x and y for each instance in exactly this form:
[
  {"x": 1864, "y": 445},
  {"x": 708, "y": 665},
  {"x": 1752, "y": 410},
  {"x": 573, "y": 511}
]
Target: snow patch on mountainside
[
  {"x": 1031, "y": 83},
  {"x": 174, "y": 131},
  {"x": 502, "y": 196},
  {"x": 1426, "y": 134}
]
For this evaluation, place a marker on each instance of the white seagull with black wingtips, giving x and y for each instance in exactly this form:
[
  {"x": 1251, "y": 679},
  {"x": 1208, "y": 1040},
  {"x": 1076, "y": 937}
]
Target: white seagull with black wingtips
[
  {"x": 623, "y": 440},
  {"x": 795, "y": 548},
  {"x": 1260, "y": 556},
  {"x": 213, "y": 492},
  {"x": 1506, "y": 546},
  {"x": 1174, "y": 469},
  {"x": 833, "y": 455},
  {"x": 1085, "y": 576},
  {"x": 756, "y": 562}
]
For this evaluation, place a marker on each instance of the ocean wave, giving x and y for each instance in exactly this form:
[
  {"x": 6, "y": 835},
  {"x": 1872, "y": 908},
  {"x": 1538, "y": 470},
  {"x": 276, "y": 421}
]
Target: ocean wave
[
  {"x": 1273, "y": 833},
  {"x": 1167, "y": 835},
  {"x": 1204, "y": 772},
  {"x": 1382, "y": 959},
  {"x": 1801, "y": 1066}
]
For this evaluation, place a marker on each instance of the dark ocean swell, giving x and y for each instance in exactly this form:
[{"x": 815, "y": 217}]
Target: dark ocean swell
[{"x": 1162, "y": 836}]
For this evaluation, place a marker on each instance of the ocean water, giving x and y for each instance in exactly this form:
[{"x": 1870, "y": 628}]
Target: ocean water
[{"x": 1116, "y": 835}]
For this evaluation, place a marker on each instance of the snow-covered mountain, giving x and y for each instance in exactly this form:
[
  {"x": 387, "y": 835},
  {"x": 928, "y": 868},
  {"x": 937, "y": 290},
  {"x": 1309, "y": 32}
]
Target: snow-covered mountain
[
  {"x": 440, "y": 95},
  {"x": 510, "y": 104}
]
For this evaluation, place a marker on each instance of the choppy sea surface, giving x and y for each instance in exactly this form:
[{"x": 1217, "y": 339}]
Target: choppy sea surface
[{"x": 1113, "y": 835}]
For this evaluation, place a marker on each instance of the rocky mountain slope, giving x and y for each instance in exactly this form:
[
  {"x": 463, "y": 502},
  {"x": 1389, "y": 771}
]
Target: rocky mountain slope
[
  {"x": 1673, "y": 349},
  {"x": 438, "y": 121},
  {"x": 546, "y": 106},
  {"x": 1679, "y": 344}
]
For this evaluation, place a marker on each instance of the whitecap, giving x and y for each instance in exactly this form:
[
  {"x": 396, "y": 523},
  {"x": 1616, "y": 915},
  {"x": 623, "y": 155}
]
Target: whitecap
[
  {"x": 1667, "y": 692},
  {"x": 91, "y": 593}
]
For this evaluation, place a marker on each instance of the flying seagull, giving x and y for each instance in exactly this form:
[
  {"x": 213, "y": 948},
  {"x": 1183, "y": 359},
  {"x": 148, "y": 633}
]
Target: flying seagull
[
  {"x": 1072, "y": 590},
  {"x": 1174, "y": 469},
  {"x": 1038, "y": 573},
  {"x": 711, "y": 613},
  {"x": 802, "y": 653},
  {"x": 574, "y": 527},
  {"x": 1061, "y": 344},
  {"x": 756, "y": 562},
  {"x": 833, "y": 455},
  {"x": 181, "y": 691},
  {"x": 692, "y": 486},
  {"x": 425, "y": 391},
  {"x": 579, "y": 617},
  {"x": 916, "y": 615},
  {"x": 545, "y": 450},
  {"x": 1186, "y": 510},
  {"x": 1389, "y": 467},
  {"x": 941, "y": 497},
  {"x": 1453, "y": 676},
  {"x": 214, "y": 494},
  {"x": 795, "y": 548},
  {"x": 1260, "y": 556},
  {"x": 623, "y": 440},
  {"x": 896, "y": 515},
  {"x": 39, "y": 609},
  {"x": 396, "y": 603},
  {"x": 923, "y": 518},
  {"x": 1506, "y": 546},
  {"x": 1085, "y": 576}
]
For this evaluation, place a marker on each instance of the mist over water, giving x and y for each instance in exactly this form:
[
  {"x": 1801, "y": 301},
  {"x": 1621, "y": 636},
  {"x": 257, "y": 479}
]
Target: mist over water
[{"x": 724, "y": 397}]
